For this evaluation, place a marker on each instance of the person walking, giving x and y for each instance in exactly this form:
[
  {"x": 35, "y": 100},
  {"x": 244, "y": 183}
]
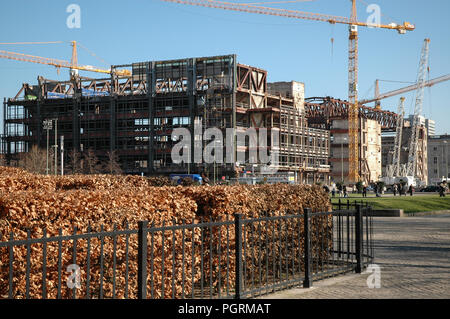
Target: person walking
[
  {"x": 411, "y": 190},
  {"x": 394, "y": 189},
  {"x": 442, "y": 189},
  {"x": 364, "y": 192},
  {"x": 205, "y": 179}
]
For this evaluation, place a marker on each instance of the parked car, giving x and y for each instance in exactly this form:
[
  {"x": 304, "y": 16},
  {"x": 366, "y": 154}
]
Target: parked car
[{"x": 178, "y": 178}]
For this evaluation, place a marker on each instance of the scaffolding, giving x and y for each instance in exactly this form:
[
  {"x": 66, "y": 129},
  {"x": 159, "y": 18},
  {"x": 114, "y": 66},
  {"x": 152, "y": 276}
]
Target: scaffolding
[{"x": 136, "y": 115}]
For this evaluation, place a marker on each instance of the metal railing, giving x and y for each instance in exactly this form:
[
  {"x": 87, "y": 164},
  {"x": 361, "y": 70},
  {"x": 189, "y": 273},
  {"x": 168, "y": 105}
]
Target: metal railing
[
  {"x": 232, "y": 258},
  {"x": 347, "y": 204}
]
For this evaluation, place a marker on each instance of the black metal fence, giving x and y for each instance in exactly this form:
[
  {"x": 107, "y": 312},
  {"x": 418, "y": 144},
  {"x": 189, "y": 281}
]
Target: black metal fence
[
  {"x": 348, "y": 204},
  {"x": 239, "y": 258}
]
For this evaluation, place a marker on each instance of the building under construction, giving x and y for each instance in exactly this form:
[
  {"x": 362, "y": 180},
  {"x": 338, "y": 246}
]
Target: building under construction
[
  {"x": 135, "y": 115},
  {"x": 332, "y": 114}
]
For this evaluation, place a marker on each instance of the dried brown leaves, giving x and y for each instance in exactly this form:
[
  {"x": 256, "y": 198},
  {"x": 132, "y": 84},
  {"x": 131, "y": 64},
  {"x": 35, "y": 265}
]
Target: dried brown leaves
[{"x": 36, "y": 202}]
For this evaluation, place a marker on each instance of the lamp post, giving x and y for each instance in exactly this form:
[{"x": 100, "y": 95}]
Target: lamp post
[
  {"x": 47, "y": 126},
  {"x": 189, "y": 160},
  {"x": 214, "y": 164},
  {"x": 56, "y": 146},
  {"x": 444, "y": 155},
  {"x": 62, "y": 154}
]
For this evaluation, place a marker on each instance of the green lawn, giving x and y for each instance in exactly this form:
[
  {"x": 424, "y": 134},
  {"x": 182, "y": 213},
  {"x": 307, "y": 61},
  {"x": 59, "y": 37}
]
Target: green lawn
[{"x": 417, "y": 203}]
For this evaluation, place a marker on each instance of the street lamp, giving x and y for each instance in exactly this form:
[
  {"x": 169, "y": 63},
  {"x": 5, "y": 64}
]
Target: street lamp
[
  {"x": 189, "y": 159},
  {"x": 445, "y": 158},
  {"x": 56, "y": 146},
  {"x": 48, "y": 125}
]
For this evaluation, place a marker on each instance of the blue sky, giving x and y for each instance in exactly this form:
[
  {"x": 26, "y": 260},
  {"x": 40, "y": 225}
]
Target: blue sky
[{"x": 142, "y": 30}]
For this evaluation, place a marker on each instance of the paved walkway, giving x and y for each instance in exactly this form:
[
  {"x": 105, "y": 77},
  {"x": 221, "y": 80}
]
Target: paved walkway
[{"x": 414, "y": 256}]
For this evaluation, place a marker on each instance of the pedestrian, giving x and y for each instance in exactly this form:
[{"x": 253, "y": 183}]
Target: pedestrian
[
  {"x": 205, "y": 179},
  {"x": 394, "y": 189},
  {"x": 403, "y": 190},
  {"x": 333, "y": 191},
  {"x": 364, "y": 192},
  {"x": 442, "y": 189},
  {"x": 411, "y": 190},
  {"x": 345, "y": 192}
]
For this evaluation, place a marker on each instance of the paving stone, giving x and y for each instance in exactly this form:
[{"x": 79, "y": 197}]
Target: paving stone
[{"x": 414, "y": 256}]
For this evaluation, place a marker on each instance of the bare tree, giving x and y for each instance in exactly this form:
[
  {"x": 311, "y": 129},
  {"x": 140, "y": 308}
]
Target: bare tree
[
  {"x": 35, "y": 161},
  {"x": 113, "y": 167},
  {"x": 75, "y": 162},
  {"x": 3, "y": 161},
  {"x": 91, "y": 164}
]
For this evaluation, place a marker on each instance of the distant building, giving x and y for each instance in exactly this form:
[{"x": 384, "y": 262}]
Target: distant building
[
  {"x": 438, "y": 158},
  {"x": 369, "y": 150},
  {"x": 429, "y": 124}
]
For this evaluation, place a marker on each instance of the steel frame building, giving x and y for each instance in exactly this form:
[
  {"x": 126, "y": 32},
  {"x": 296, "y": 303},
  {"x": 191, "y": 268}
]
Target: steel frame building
[
  {"x": 332, "y": 114},
  {"x": 136, "y": 115}
]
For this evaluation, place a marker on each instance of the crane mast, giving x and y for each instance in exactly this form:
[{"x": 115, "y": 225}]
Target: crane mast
[
  {"x": 353, "y": 112},
  {"x": 377, "y": 95},
  {"x": 421, "y": 82},
  {"x": 398, "y": 138},
  {"x": 395, "y": 170}
]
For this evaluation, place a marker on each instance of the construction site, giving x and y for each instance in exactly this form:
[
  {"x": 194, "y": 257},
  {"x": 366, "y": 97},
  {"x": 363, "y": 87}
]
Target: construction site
[
  {"x": 135, "y": 116},
  {"x": 134, "y": 109}
]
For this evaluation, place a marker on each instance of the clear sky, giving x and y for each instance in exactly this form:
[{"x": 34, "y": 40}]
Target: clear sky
[{"x": 289, "y": 49}]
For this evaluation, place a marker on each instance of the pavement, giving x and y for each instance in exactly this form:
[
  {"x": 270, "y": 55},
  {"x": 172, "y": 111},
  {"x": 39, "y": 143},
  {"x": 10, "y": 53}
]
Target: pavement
[{"x": 414, "y": 258}]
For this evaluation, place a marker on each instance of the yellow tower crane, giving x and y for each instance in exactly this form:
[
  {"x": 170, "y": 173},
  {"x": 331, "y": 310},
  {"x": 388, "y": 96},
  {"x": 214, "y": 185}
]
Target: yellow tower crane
[
  {"x": 73, "y": 65},
  {"x": 352, "y": 22}
]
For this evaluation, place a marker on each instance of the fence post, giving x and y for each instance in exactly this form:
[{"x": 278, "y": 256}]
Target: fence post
[
  {"x": 307, "y": 283},
  {"x": 238, "y": 251},
  {"x": 358, "y": 238},
  {"x": 142, "y": 260}
]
